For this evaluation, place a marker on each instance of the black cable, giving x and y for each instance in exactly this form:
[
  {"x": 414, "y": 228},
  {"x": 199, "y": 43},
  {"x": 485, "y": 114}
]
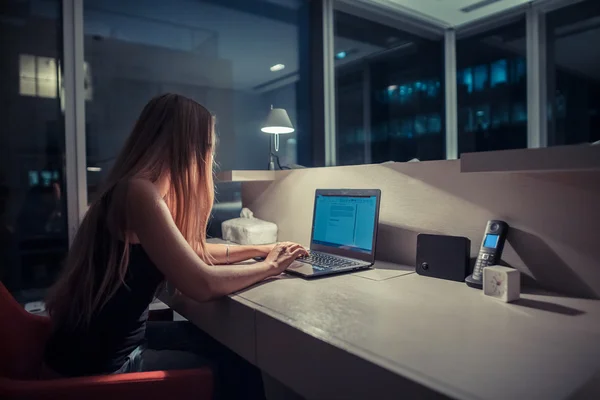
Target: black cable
[{"x": 278, "y": 162}]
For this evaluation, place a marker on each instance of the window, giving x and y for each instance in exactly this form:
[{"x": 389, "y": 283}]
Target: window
[
  {"x": 573, "y": 74},
  {"x": 480, "y": 78},
  {"x": 492, "y": 89},
  {"x": 38, "y": 76},
  {"x": 33, "y": 228},
  {"x": 465, "y": 79},
  {"x": 42, "y": 77},
  {"x": 389, "y": 93},
  {"x": 499, "y": 73},
  {"x": 237, "y": 58}
]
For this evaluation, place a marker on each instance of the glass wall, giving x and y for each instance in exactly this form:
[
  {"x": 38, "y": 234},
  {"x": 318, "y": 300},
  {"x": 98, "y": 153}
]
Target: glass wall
[
  {"x": 236, "y": 57},
  {"x": 33, "y": 226},
  {"x": 573, "y": 74},
  {"x": 492, "y": 89},
  {"x": 389, "y": 93}
]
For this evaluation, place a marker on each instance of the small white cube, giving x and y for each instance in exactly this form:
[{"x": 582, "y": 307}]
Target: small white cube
[{"x": 503, "y": 283}]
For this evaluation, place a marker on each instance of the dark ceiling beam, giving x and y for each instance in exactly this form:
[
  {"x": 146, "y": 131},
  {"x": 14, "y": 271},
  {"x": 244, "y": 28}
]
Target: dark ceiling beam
[
  {"x": 508, "y": 33},
  {"x": 366, "y": 31}
]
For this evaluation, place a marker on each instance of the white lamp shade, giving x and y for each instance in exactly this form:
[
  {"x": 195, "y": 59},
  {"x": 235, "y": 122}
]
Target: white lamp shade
[{"x": 278, "y": 122}]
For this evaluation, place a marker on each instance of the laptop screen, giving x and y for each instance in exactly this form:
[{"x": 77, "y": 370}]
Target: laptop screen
[{"x": 345, "y": 222}]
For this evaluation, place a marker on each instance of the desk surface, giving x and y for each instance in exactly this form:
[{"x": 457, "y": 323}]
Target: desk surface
[{"x": 440, "y": 334}]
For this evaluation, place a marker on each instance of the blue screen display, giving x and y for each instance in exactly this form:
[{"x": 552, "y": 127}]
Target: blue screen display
[
  {"x": 345, "y": 222},
  {"x": 491, "y": 241}
]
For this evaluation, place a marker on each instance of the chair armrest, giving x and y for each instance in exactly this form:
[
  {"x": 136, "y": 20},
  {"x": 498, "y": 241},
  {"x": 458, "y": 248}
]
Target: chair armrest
[{"x": 160, "y": 385}]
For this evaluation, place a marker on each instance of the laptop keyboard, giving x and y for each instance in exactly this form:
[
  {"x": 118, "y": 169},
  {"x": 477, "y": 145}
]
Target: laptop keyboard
[{"x": 327, "y": 261}]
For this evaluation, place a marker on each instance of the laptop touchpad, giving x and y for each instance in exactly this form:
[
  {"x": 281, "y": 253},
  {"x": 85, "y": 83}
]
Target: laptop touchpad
[{"x": 301, "y": 267}]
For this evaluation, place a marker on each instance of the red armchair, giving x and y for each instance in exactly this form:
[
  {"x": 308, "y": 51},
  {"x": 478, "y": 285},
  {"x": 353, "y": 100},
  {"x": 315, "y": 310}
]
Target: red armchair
[{"x": 22, "y": 340}]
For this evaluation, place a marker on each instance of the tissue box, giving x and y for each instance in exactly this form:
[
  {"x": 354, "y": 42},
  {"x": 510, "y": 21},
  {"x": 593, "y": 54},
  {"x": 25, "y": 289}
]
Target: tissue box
[{"x": 249, "y": 230}]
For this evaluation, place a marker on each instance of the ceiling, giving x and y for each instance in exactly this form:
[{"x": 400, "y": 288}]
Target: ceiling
[{"x": 451, "y": 13}]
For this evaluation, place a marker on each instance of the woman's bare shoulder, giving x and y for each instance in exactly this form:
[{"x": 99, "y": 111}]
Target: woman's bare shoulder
[
  {"x": 137, "y": 189},
  {"x": 130, "y": 197}
]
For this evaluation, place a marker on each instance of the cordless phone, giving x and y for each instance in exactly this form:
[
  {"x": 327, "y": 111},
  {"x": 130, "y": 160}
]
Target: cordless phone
[{"x": 490, "y": 251}]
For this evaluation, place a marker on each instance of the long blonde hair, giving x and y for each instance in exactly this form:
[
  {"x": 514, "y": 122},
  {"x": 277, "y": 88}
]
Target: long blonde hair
[{"x": 173, "y": 137}]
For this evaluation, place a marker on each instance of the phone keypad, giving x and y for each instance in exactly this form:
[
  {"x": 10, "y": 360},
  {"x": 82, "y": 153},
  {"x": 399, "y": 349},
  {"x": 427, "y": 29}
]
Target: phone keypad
[{"x": 484, "y": 260}]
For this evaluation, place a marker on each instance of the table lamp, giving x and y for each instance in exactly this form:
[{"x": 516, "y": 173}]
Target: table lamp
[{"x": 278, "y": 122}]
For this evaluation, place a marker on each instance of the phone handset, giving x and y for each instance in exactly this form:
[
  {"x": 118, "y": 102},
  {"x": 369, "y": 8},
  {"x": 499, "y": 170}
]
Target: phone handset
[{"x": 490, "y": 251}]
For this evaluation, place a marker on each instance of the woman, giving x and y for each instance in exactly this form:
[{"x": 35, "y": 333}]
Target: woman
[{"x": 148, "y": 225}]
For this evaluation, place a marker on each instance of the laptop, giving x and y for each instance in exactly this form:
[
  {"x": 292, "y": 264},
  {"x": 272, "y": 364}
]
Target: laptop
[{"x": 344, "y": 232}]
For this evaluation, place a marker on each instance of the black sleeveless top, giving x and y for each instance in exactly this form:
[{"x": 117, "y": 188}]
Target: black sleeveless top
[{"x": 114, "y": 331}]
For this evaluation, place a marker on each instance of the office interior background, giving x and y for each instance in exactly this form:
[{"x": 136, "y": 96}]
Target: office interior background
[{"x": 363, "y": 81}]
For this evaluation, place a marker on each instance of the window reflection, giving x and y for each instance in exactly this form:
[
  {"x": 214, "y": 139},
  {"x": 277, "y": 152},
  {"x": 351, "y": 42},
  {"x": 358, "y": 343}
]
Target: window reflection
[
  {"x": 492, "y": 90},
  {"x": 465, "y": 79},
  {"x": 33, "y": 223},
  {"x": 499, "y": 73},
  {"x": 389, "y": 93},
  {"x": 38, "y": 76},
  {"x": 573, "y": 74},
  {"x": 480, "y": 74},
  {"x": 219, "y": 53}
]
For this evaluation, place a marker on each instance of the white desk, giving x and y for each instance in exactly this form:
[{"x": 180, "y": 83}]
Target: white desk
[{"x": 388, "y": 333}]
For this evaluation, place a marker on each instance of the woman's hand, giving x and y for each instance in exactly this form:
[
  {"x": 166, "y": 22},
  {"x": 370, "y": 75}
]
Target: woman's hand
[
  {"x": 283, "y": 255},
  {"x": 267, "y": 248}
]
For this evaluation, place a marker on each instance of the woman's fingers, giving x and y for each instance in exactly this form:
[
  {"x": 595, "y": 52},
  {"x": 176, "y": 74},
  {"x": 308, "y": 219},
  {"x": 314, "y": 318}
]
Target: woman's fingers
[{"x": 299, "y": 252}]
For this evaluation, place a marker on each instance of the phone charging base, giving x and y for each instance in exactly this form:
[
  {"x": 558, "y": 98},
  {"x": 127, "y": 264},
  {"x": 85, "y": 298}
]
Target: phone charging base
[{"x": 473, "y": 282}]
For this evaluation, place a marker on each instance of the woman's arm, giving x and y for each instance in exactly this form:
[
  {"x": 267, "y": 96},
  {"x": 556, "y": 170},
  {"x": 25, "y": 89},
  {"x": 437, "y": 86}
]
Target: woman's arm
[
  {"x": 150, "y": 219},
  {"x": 218, "y": 252}
]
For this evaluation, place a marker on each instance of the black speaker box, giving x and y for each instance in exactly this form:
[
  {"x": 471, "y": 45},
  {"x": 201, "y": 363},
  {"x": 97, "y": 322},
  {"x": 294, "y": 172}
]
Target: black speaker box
[{"x": 445, "y": 257}]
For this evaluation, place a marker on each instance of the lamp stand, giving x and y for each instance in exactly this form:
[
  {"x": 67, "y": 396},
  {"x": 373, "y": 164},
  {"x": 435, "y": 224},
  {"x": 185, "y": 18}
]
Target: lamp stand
[{"x": 271, "y": 161}]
